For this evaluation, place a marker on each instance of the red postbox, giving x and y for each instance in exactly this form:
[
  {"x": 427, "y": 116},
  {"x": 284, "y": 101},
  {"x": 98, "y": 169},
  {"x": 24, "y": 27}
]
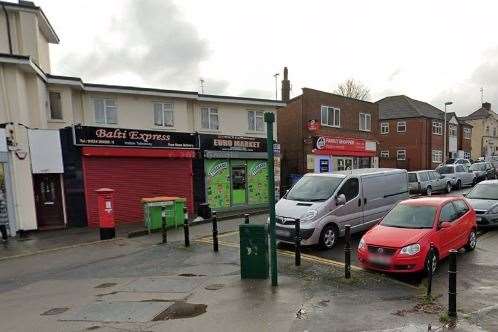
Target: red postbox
[{"x": 105, "y": 202}]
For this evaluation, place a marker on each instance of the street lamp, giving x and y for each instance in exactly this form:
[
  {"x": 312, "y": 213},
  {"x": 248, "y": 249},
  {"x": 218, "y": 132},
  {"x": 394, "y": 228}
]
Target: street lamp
[{"x": 448, "y": 103}]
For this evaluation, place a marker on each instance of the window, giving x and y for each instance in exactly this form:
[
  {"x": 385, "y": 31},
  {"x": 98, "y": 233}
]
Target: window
[
  {"x": 331, "y": 116},
  {"x": 401, "y": 155},
  {"x": 384, "y": 127},
  {"x": 459, "y": 168},
  {"x": 494, "y": 132},
  {"x": 487, "y": 130},
  {"x": 106, "y": 111},
  {"x": 209, "y": 118},
  {"x": 423, "y": 177},
  {"x": 434, "y": 175},
  {"x": 350, "y": 189},
  {"x": 460, "y": 207},
  {"x": 437, "y": 156},
  {"x": 401, "y": 126},
  {"x": 452, "y": 130},
  {"x": 365, "y": 122},
  {"x": 255, "y": 120},
  {"x": 448, "y": 213},
  {"x": 437, "y": 128},
  {"x": 163, "y": 114},
  {"x": 384, "y": 154},
  {"x": 467, "y": 133},
  {"x": 55, "y": 105}
]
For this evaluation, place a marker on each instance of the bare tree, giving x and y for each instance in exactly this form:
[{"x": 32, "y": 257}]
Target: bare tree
[{"x": 353, "y": 89}]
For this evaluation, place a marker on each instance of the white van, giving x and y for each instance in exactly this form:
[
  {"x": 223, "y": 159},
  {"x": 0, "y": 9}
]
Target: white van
[{"x": 326, "y": 202}]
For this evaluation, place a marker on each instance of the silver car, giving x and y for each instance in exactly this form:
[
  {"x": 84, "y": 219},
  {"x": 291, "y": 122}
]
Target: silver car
[
  {"x": 459, "y": 175},
  {"x": 428, "y": 181}
]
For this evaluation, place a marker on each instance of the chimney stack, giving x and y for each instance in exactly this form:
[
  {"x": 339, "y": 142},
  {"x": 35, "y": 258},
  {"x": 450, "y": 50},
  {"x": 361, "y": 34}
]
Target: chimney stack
[
  {"x": 286, "y": 86},
  {"x": 487, "y": 106}
]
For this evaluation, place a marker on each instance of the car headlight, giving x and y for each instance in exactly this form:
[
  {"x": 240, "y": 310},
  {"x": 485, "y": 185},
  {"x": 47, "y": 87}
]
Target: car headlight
[
  {"x": 308, "y": 215},
  {"x": 362, "y": 245},
  {"x": 493, "y": 210},
  {"x": 410, "y": 250}
]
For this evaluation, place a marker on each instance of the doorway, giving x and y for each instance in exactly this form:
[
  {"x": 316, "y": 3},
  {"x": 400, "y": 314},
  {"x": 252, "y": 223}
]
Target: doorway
[
  {"x": 343, "y": 164},
  {"x": 48, "y": 200},
  {"x": 238, "y": 174}
]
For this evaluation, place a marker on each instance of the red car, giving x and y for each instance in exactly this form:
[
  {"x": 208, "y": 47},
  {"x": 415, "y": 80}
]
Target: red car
[{"x": 417, "y": 231}]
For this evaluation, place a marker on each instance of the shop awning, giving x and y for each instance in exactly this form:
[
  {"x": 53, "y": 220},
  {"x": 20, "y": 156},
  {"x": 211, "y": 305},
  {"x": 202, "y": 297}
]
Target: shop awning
[{"x": 89, "y": 151}]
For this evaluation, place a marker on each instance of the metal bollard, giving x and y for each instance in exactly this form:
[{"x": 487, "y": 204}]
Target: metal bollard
[
  {"x": 215, "y": 232},
  {"x": 429, "y": 276},
  {"x": 452, "y": 292},
  {"x": 163, "y": 225},
  {"x": 246, "y": 218},
  {"x": 185, "y": 227},
  {"x": 347, "y": 252},
  {"x": 297, "y": 224}
]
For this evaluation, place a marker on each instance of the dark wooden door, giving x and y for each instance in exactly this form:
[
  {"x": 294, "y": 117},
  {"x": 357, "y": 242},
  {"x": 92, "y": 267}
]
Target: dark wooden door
[{"x": 48, "y": 197}]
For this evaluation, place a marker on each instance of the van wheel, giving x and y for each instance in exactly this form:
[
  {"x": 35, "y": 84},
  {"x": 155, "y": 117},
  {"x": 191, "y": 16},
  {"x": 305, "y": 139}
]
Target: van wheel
[
  {"x": 472, "y": 241},
  {"x": 448, "y": 188},
  {"x": 428, "y": 191},
  {"x": 431, "y": 257},
  {"x": 328, "y": 237}
]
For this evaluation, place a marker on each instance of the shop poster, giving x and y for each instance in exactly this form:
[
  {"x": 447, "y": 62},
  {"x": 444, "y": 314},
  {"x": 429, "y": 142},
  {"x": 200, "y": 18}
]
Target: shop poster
[
  {"x": 257, "y": 181},
  {"x": 218, "y": 183}
]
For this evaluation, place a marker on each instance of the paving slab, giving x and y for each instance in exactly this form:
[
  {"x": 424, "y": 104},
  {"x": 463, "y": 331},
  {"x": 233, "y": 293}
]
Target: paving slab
[{"x": 164, "y": 284}]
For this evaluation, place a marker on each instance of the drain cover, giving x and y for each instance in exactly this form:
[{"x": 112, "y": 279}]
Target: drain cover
[
  {"x": 54, "y": 311},
  {"x": 106, "y": 285},
  {"x": 181, "y": 310},
  {"x": 214, "y": 287}
]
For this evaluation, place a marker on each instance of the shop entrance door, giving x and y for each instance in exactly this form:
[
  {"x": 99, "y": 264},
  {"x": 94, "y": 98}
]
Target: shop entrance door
[
  {"x": 48, "y": 199},
  {"x": 343, "y": 164},
  {"x": 239, "y": 183}
]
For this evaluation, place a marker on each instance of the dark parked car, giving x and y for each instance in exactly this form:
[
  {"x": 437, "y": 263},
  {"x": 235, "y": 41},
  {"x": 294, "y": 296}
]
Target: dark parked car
[
  {"x": 484, "y": 199},
  {"x": 483, "y": 171}
]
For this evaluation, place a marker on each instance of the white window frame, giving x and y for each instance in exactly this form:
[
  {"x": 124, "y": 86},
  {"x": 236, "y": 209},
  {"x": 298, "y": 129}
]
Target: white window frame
[
  {"x": 384, "y": 128},
  {"x": 452, "y": 128},
  {"x": 467, "y": 133},
  {"x": 437, "y": 156},
  {"x": 257, "y": 114},
  {"x": 165, "y": 108},
  {"x": 211, "y": 110},
  {"x": 437, "y": 128},
  {"x": 398, "y": 153},
  {"x": 365, "y": 122},
  {"x": 106, "y": 102},
  {"x": 401, "y": 123},
  {"x": 336, "y": 120},
  {"x": 384, "y": 154}
]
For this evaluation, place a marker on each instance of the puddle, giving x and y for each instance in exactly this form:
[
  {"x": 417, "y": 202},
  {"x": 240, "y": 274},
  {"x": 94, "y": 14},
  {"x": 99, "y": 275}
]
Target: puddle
[
  {"x": 92, "y": 328},
  {"x": 191, "y": 275},
  {"x": 181, "y": 310},
  {"x": 214, "y": 287},
  {"x": 54, "y": 311},
  {"x": 106, "y": 285}
]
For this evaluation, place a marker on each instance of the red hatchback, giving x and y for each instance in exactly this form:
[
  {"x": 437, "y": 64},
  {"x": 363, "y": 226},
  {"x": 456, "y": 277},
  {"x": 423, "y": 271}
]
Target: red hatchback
[{"x": 402, "y": 241}]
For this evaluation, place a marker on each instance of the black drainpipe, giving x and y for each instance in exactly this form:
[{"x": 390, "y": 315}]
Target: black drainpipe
[{"x": 8, "y": 28}]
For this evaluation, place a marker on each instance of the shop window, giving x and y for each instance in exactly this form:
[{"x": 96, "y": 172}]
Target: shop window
[
  {"x": 106, "y": 111},
  {"x": 437, "y": 128},
  {"x": 55, "y": 105},
  {"x": 452, "y": 130},
  {"x": 384, "y": 154},
  {"x": 255, "y": 120},
  {"x": 401, "y": 154},
  {"x": 350, "y": 189},
  {"x": 384, "y": 127},
  {"x": 437, "y": 156},
  {"x": 164, "y": 115},
  {"x": 467, "y": 133},
  {"x": 331, "y": 116},
  {"x": 401, "y": 126},
  {"x": 365, "y": 122},
  {"x": 210, "y": 118}
]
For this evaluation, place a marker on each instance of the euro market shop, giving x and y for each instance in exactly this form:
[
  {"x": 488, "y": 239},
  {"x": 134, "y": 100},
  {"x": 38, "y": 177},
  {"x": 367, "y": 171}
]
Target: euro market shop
[{"x": 234, "y": 172}]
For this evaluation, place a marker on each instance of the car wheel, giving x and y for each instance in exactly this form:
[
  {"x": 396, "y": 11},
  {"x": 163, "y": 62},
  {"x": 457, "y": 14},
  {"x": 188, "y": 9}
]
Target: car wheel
[
  {"x": 448, "y": 187},
  {"x": 328, "y": 237},
  {"x": 472, "y": 241},
  {"x": 431, "y": 257},
  {"x": 459, "y": 185},
  {"x": 428, "y": 191}
]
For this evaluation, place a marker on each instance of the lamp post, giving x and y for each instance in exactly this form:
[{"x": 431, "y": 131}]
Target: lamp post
[{"x": 448, "y": 103}]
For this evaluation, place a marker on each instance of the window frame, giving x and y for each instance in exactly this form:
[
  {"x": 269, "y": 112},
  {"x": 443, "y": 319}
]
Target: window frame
[
  {"x": 365, "y": 117},
  {"x": 441, "y": 212},
  {"x": 384, "y": 154},
  {"x": 403, "y": 125},
  {"x": 382, "y": 127},
  {"x": 438, "y": 160},
  {"x": 437, "y": 127},
  {"x": 210, "y": 112},
  {"x": 50, "y": 93},
  {"x": 467, "y": 133},
  {"x": 163, "y": 110},
  {"x": 255, "y": 117},
  {"x": 398, "y": 152},
  {"x": 106, "y": 109},
  {"x": 335, "y": 111},
  {"x": 452, "y": 128},
  {"x": 357, "y": 192}
]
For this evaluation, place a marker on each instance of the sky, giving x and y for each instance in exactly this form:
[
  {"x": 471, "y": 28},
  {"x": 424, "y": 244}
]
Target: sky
[{"x": 435, "y": 51}]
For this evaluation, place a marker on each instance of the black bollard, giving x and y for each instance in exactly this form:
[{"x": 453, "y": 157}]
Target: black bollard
[
  {"x": 347, "y": 252},
  {"x": 297, "y": 224},
  {"x": 246, "y": 218},
  {"x": 185, "y": 227},
  {"x": 452, "y": 292},
  {"x": 215, "y": 232},
  {"x": 429, "y": 274},
  {"x": 163, "y": 225}
]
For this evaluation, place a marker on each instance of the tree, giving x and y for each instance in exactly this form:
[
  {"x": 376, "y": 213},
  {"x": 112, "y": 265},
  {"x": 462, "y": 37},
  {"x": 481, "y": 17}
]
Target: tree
[{"x": 353, "y": 89}]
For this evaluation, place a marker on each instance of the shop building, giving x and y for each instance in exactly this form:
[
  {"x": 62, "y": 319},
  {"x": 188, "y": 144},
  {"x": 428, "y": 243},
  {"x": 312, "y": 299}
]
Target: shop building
[{"x": 325, "y": 132}]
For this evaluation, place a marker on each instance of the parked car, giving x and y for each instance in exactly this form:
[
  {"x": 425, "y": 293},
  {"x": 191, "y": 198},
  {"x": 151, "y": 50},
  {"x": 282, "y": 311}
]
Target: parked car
[
  {"x": 326, "y": 202},
  {"x": 458, "y": 161},
  {"x": 484, "y": 199},
  {"x": 402, "y": 241},
  {"x": 483, "y": 171},
  {"x": 493, "y": 160},
  {"x": 459, "y": 175},
  {"x": 427, "y": 182}
]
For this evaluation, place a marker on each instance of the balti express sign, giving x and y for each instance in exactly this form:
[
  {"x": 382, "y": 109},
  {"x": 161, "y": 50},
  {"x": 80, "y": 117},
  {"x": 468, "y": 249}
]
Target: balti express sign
[{"x": 119, "y": 137}]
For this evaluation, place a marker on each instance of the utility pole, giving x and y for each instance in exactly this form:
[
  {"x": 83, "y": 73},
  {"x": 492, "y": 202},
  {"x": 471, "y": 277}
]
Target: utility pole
[
  {"x": 444, "y": 131},
  {"x": 202, "y": 85},
  {"x": 276, "y": 85},
  {"x": 270, "y": 119}
]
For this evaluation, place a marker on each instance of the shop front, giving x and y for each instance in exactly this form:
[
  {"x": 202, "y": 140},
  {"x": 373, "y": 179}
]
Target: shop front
[
  {"x": 235, "y": 171},
  {"x": 331, "y": 154},
  {"x": 136, "y": 164}
]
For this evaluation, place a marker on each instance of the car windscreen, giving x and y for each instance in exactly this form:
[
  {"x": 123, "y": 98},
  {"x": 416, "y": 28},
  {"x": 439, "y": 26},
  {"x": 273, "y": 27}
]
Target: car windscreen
[
  {"x": 445, "y": 170},
  {"x": 410, "y": 216},
  {"x": 478, "y": 167},
  {"x": 484, "y": 191},
  {"x": 314, "y": 188},
  {"x": 450, "y": 161},
  {"x": 412, "y": 177}
]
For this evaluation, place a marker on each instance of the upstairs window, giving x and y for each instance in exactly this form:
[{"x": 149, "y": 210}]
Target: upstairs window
[
  {"x": 384, "y": 127},
  {"x": 164, "y": 115},
  {"x": 401, "y": 154},
  {"x": 452, "y": 130},
  {"x": 437, "y": 156},
  {"x": 255, "y": 120},
  {"x": 401, "y": 126},
  {"x": 55, "y": 105},
  {"x": 365, "y": 122},
  {"x": 437, "y": 128},
  {"x": 331, "y": 116},
  {"x": 106, "y": 111},
  {"x": 209, "y": 118},
  {"x": 467, "y": 133},
  {"x": 384, "y": 154}
]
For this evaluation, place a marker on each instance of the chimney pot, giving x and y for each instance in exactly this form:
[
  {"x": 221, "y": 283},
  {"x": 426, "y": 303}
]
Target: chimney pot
[
  {"x": 487, "y": 106},
  {"x": 286, "y": 86}
]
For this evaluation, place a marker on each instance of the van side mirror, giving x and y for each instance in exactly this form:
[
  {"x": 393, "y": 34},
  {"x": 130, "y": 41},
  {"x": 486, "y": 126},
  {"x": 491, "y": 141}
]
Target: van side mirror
[{"x": 340, "y": 199}]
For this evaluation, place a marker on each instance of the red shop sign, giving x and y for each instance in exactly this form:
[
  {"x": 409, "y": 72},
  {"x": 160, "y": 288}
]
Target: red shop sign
[
  {"x": 313, "y": 125},
  {"x": 338, "y": 144}
]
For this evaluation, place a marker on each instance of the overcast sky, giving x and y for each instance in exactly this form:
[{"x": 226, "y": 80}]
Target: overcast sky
[{"x": 429, "y": 50}]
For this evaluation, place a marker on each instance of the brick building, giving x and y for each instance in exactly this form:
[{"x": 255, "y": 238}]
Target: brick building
[
  {"x": 411, "y": 134},
  {"x": 325, "y": 132},
  {"x": 485, "y": 131}
]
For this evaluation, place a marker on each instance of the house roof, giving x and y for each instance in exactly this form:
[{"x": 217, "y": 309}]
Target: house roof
[
  {"x": 481, "y": 113},
  {"x": 397, "y": 107}
]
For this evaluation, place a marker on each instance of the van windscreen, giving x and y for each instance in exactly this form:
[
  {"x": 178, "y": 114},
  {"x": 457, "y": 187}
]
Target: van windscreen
[{"x": 314, "y": 188}]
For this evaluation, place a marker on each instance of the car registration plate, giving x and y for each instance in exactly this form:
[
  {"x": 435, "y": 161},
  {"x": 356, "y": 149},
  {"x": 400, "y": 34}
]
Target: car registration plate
[
  {"x": 381, "y": 260},
  {"x": 282, "y": 232}
]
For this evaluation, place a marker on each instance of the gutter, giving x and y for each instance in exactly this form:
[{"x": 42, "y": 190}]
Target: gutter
[{"x": 7, "y": 21}]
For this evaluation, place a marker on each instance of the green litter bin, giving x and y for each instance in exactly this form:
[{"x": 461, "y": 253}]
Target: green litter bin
[
  {"x": 180, "y": 202},
  {"x": 153, "y": 212},
  {"x": 254, "y": 261}
]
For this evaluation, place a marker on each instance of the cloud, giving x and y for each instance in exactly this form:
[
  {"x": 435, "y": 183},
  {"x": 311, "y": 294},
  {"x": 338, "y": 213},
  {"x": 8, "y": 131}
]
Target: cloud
[{"x": 258, "y": 93}]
